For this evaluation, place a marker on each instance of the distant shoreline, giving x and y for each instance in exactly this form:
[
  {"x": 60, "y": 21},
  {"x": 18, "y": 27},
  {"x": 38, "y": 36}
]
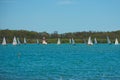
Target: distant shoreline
[{"x": 79, "y": 37}]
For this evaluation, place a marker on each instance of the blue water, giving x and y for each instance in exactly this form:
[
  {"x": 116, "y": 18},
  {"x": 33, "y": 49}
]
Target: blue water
[{"x": 60, "y": 62}]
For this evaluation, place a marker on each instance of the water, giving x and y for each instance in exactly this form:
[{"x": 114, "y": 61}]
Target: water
[{"x": 60, "y": 62}]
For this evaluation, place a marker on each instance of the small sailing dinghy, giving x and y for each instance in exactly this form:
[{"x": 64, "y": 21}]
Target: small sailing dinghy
[
  {"x": 14, "y": 41},
  {"x": 58, "y": 42},
  {"x": 25, "y": 41},
  {"x": 116, "y": 41},
  {"x": 37, "y": 41},
  {"x": 108, "y": 40},
  {"x": 4, "y": 41},
  {"x": 44, "y": 41},
  {"x": 18, "y": 41},
  {"x": 90, "y": 41},
  {"x": 95, "y": 40},
  {"x": 71, "y": 41}
]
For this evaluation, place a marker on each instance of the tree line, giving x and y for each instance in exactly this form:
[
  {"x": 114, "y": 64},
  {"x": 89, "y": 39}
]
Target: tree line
[{"x": 52, "y": 37}]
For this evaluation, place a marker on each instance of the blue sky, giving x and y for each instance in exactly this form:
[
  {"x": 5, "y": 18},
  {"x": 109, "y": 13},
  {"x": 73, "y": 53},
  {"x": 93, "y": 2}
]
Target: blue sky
[{"x": 60, "y": 15}]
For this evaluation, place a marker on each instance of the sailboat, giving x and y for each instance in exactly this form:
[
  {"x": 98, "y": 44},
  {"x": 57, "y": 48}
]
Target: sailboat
[
  {"x": 58, "y": 42},
  {"x": 4, "y": 41},
  {"x": 25, "y": 41},
  {"x": 18, "y": 41},
  {"x": 73, "y": 41},
  {"x": 95, "y": 40},
  {"x": 70, "y": 41},
  {"x": 90, "y": 41},
  {"x": 37, "y": 41},
  {"x": 116, "y": 41},
  {"x": 108, "y": 40},
  {"x": 84, "y": 41},
  {"x": 14, "y": 41},
  {"x": 44, "y": 41}
]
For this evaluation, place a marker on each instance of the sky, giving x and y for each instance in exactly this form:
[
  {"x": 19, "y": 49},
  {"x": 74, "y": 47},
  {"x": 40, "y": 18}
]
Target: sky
[{"x": 60, "y": 15}]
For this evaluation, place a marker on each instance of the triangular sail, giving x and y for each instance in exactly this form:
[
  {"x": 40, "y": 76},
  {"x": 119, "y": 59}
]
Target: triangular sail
[
  {"x": 70, "y": 41},
  {"x": 25, "y": 41},
  {"x": 108, "y": 40},
  {"x": 4, "y": 41},
  {"x": 37, "y": 41},
  {"x": 90, "y": 41},
  {"x": 58, "y": 42},
  {"x": 116, "y": 41},
  {"x": 95, "y": 41},
  {"x": 14, "y": 41},
  {"x": 73, "y": 41},
  {"x": 18, "y": 41}
]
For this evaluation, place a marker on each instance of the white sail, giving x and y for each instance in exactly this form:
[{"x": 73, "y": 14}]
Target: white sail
[
  {"x": 73, "y": 41},
  {"x": 108, "y": 40},
  {"x": 14, "y": 41},
  {"x": 37, "y": 41},
  {"x": 58, "y": 42},
  {"x": 95, "y": 41},
  {"x": 44, "y": 41},
  {"x": 4, "y": 41},
  {"x": 25, "y": 41},
  {"x": 18, "y": 41},
  {"x": 116, "y": 41},
  {"x": 90, "y": 41},
  {"x": 70, "y": 41}
]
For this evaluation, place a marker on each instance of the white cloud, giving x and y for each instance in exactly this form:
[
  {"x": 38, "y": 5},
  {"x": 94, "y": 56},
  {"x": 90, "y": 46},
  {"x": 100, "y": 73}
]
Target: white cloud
[{"x": 65, "y": 2}]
